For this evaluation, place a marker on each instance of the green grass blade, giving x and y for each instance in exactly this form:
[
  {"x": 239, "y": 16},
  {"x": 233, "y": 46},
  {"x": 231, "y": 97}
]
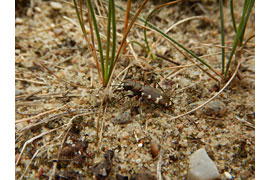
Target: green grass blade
[
  {"x": 108, "y": 41},
  {"x": 222, "y": 35},
  {"x": 240, "y": 33},
  {"x": 246, "y": 4},
  {"x": 145, "y": 36},
  {"x": 232, "y": 16},
  {"x": 79, "y": 17},
  {"x": 97, "y": 35},
  {"x": 113, "y": 38},
  {"x": 128, "y": 30}
]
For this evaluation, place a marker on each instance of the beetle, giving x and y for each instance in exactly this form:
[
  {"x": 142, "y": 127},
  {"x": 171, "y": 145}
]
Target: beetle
[{"x": 147, "y": 92}]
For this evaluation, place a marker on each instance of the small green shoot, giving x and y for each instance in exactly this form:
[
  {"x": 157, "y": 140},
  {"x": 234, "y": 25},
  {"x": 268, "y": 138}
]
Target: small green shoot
[{"x": 240, "y": 31}]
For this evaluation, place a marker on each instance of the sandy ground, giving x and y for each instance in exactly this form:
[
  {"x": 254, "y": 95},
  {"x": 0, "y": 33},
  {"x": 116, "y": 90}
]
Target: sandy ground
[{"x": 58, "y": 95}]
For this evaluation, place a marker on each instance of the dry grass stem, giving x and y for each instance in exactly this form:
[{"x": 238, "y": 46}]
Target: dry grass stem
[
  {"x": 31, "y": 81},
  {"x": 31, "y": 140},
  {"x": 174, "y": 67},
  {"x": 159, "y": 164},
  {"x": 246, "y": 122},
  {"x": 39, "y": 115},
  {"x": 52, "y": 176},
  {"x": 33, "y": 157},
  {"x": 210, "y": 99},
  {"x": 59, "y": 78},
  {"x": 187, "y": 19}
]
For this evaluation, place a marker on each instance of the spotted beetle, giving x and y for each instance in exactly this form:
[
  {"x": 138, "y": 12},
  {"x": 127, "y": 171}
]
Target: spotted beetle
[{"x": 147, "y": 92}]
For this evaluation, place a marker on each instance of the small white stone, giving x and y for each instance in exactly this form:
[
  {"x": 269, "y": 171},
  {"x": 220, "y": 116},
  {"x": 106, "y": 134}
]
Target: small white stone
[
  {"x": 56, "y": 5},
  {"x": 37, "y": 9},
  {"x": 201, "y": 167},
  {"x": 138, "y": 161},
  {"x": 228, "y": 175},
  {"x": 18, "y": 20}
]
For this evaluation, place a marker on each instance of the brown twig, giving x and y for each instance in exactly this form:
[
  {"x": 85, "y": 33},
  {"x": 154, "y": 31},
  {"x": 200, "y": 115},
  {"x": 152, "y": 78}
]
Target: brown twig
[
  {"x": 30, "y": 81},
  {"x": 33, "y": 93}
]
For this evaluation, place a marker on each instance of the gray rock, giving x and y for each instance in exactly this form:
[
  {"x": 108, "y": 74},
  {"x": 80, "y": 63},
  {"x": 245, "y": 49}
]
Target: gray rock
[
  {"x": 215, "y": 108},
  {"x": 201, "y": 167}
]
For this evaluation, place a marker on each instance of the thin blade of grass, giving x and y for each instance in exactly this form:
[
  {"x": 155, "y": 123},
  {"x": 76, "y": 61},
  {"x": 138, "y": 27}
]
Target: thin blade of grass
[
  {"x": 79, "y": 17},
  {"x": 222, "y": 35},
  {"x": 93, "y": 49},
  {"x": 232, "y": 16},
  {"x": 126, "y": 24},
  {"x": 239, "y": 34},
  {"x": 246, "y": 4},
  {"x": 93, "y": 17},
  {"x": 90, "y": 47},
  {"x": 172, "y": 40},
  {"x": 128, "y": 29},
  {"x": 113, "y": 40},
  {"x": 108, "y": 41}
]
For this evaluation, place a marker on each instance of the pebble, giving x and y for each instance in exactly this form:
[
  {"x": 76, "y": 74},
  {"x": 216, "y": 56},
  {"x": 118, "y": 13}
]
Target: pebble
[
  {"x": 228, "y": 175},
  {"x": 18, "y": 20},
  {"x": 56, "y": 5},
  {"x": 180, "y": 127},
  {"x": 216, "y": 108},
  {"x": 154, "y": 148},
  {"x": 37, "y": 9},
  {"x": 201, "y": 167},
  {"x": 140, "y": 145}
]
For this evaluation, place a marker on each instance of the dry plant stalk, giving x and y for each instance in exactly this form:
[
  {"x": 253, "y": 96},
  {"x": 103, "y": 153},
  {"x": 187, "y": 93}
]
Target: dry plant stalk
[
  {"x": 126, "y": 25},
  {"x": 90, "y": 46},
  {"x": 31, "y": 140}
]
